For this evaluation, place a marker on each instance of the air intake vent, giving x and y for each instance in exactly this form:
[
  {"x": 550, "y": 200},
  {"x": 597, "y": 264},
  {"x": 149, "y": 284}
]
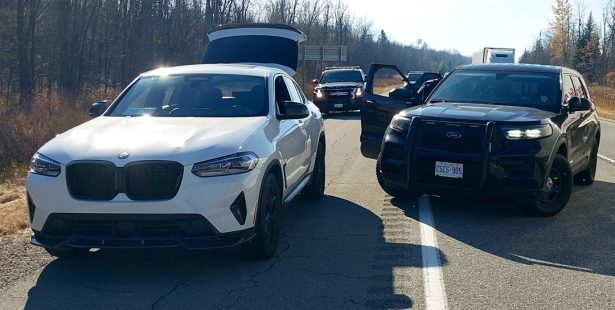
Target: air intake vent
[{"x": 238, "y": 208}]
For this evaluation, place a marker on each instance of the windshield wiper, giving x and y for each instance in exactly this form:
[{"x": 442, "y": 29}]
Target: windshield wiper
[{"x": 436, "y": 101}]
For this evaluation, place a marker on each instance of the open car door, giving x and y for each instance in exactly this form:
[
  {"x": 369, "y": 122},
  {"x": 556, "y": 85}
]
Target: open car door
[
  {"x": 387, "y": 92},
  {"x": 273, "y": 45}
]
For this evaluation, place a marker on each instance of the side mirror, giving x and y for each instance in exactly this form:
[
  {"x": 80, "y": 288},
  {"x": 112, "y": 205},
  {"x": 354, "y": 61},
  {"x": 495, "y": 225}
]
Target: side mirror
[
  {"x": 578, "y": 104},
  {"x": 294, "y": 110},
  {"x": 98, "y": 108},
  {"x": 315, "y": 81},
  {"x": 427, "y": 88},
  {"x": 586, "y": 105},
  {"x": 403, "y": 94}
]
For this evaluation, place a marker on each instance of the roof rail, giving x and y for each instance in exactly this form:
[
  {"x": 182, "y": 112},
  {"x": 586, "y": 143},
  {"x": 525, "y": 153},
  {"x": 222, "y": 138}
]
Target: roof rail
[{"x": 343, "y": 67}]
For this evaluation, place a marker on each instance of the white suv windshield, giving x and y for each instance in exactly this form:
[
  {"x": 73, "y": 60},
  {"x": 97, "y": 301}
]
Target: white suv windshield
[
  {"x": 194, "y": 95},
  {"x": 530, "y": 89}
]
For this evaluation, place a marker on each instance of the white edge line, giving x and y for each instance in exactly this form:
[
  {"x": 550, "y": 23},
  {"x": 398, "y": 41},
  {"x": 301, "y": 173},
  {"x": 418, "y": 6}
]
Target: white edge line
[
  {"x": 606, "y": 159},
  {"x": 607, "y": 120},
  {"x": 433, "y": 279}
]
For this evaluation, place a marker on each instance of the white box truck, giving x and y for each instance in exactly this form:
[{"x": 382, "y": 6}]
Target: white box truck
[{"x": 494, "y": 55}]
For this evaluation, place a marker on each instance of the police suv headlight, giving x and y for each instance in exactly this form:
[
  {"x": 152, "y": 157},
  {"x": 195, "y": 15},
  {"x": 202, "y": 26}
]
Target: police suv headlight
[
  {"x": 234, "y": 164},
  {"x": 527, "y": 132},
  {"x": 319, "y": 93},
  {"x": 358, "y": 92},
  {"x": 400, "y": 123},
  {"x": 43, "y": 165}
]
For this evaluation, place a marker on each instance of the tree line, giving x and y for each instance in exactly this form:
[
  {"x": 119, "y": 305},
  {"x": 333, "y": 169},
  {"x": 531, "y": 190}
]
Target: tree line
[
  {"x": 578, "y": 39},
  {"x": 74, "y": 45}
]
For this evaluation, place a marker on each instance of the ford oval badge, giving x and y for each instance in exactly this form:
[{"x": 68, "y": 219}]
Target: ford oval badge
[
  {"x": 123, "y": 155},
  {"x": 453, "y": 135}
]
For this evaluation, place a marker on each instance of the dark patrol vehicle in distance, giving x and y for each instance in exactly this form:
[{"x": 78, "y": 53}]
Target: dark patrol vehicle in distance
[
  {"x": 417, "y": 78},
  {"x": 526, "y": 132},
  {"x": 339, "y": 89}
]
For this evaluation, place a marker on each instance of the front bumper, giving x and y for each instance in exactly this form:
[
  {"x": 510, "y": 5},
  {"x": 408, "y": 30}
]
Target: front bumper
[
  {"x": 190, "y": 231},
  {"x": 338, "y": 104},
  {"x": 210, "y": 198},
  {"x": 516, "y": 170}
]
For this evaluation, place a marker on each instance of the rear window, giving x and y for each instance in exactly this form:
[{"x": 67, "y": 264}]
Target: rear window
[
  {"x": 194, "y": 95},
  {"x": 531, "y": 89},
  {"x": 341, "y": 76}
]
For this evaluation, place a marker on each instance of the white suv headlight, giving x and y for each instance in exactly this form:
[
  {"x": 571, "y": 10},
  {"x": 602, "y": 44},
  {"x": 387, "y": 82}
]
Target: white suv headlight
[
  {"x": 44, "y": 166},
  {"x": 233, "y": 164},
  {"x": 527, "y": 132}
]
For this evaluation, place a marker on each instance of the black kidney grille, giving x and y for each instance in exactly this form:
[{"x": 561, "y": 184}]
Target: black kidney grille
[
  {"x": 92, "y": 180},
  {"x": 153, "y": 180},
  {"x": 145, "y": 180},
  {"x": 433, "y": 135}
]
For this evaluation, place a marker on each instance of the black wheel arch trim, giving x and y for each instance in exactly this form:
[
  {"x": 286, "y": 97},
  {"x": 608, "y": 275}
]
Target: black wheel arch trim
[{"x": 561, "y": 141}]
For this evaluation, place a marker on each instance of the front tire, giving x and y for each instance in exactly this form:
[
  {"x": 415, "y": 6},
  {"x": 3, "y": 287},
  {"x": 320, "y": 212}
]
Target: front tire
[
  {"x": 316, "y": 189},
  {"x": 267, "y": 228},
  {"x": 588, "y": 176},
  {"x": 558, "y": 190}
]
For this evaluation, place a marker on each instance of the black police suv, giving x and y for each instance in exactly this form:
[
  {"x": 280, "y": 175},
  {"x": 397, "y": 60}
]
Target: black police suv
[
  {"x": 526, "y": 132},
  {"x": 417, "y": 78},
  {"x": 339, "y": 89}
]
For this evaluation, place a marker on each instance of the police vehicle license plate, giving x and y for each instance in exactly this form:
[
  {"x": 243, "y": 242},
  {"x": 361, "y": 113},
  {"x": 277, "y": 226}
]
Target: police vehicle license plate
[
  {"x": 449, "y": 170},
  {"x": 338, "y": 105}
]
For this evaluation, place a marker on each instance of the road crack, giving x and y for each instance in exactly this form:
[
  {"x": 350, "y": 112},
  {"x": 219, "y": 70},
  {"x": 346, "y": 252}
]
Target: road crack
[{"x": 192, "y": 274}]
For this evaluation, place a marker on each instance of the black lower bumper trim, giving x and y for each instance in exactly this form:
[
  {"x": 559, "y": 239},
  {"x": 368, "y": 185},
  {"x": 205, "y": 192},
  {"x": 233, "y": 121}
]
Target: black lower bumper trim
[
  {"x": 84, "y": 241},
  {"x": 192, "y": 231}
]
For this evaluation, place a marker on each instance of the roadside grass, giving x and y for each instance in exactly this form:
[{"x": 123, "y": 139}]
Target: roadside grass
[
  {"x": 22, "y": 132},
  {"x": 604, "y": 99},
  {"x": 382, "y": 86},
  {"x": 13, "y": 210}
]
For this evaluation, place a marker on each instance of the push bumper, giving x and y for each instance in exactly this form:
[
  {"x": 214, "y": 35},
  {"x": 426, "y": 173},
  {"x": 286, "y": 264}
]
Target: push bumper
[
  {"x": 513, "y": 171},
  {"x": 338, "y": 105}
]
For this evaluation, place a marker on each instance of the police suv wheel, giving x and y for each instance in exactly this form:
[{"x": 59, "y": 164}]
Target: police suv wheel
[{"x": 558, "y": 188}]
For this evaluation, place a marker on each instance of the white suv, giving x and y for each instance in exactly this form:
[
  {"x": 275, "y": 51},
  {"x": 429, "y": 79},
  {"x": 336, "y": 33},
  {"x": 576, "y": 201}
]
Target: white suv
[{"x": 201, "y": 156}]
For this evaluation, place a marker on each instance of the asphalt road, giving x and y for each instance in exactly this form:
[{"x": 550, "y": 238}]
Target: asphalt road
[{"x": 358, "y": 248}]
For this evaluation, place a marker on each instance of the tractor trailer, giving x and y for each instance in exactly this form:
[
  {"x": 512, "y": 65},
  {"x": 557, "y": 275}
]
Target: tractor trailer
[{"x": 494, "y": 55}]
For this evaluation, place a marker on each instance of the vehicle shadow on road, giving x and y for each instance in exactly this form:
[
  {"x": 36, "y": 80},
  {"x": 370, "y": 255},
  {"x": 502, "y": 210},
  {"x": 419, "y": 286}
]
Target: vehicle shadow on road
[
  {"x": 329, "y": 257},
  {"x": 579, "y": 238}
]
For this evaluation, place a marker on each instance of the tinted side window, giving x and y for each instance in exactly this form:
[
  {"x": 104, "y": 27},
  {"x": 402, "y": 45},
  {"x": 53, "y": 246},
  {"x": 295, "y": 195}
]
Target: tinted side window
[
  {"x": 578, "y": 86},
  {"x": 281, "y": 93},
  {"x": 568, "y": 88},
  {"x": 300, "y": 91},
  {"x": 294, "y": 94}
]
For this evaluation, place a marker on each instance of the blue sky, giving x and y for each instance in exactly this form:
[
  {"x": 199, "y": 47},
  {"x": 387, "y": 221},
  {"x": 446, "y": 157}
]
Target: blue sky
[{"x": 464, "y": 25}]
